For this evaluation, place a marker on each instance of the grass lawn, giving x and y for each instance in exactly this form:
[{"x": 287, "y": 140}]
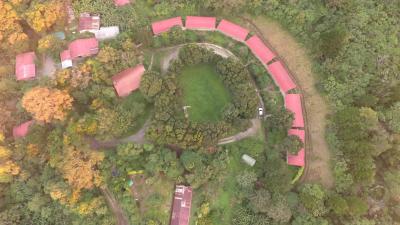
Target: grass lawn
[{"x": 204, "y": 92}]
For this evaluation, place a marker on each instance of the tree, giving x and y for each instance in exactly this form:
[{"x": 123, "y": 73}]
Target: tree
[
  {"x": 313, "y": 196},
  {"x": 47, "y": 104},
  {"x": 307, "y": 219},
  {"x": 44, "y": 16},
  {"x": 8, "y": 168},
  {"x": 392, "y": 181},
  {"x": 260, "y": 201},
  {"x": 357, "y": 206},
  {"x": 279, "y": 211},
  {"x": 338, "y": 205},
  {"x": 292, "y": 144},
  {"x": 246, "y": 179},
  {"x": 392, "y": 117},
  {"x": 151, "y": 84},
  {"x": 50, "y": 44}
]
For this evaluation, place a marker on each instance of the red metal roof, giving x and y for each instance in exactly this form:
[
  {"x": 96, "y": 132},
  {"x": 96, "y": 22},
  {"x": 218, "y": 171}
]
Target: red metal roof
[
  {"x": 181, "y": 205},
  {"x": 22, "y": 129},
  {"x": 121, "y": 2},
  {"x": 128, "y": 80},
  {"x": 293, "y": 104},
  {"x": 281, "y": 76},
  {"x": 25, "y": 68},
  {"x": 65, "y": 55},
  {"x": 200, "y": 22},
  {"x": 296, "y": 160},
  {"x": 233, "y": 30},
  {"x": 165, "y": 25},
  {"x": 83, "y": 47},
  {"x": 259, "y": 49},
  {"x": 88, "y": 22}
]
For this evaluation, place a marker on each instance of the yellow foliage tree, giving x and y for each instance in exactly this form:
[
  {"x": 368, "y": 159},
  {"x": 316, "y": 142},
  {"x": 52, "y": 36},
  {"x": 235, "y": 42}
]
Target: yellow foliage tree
[
  {"x": 47, "y": 104},
  {"x": 8, "y": 168},
  {"x": 80, "y": 168},
  {"x": 42, "y": 16},
  {"x": 12, "y": 37}
]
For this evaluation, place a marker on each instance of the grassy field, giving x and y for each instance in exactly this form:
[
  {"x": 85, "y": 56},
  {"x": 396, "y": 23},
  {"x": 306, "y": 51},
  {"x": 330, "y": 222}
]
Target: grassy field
[{"x": 204, "y": 92}]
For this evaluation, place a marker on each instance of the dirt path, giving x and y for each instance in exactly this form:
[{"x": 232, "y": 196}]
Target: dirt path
[
  {"x": 115, "y": 207},
  {"x": 295, "y": 57},
  {"x": 252, "y": 131}
]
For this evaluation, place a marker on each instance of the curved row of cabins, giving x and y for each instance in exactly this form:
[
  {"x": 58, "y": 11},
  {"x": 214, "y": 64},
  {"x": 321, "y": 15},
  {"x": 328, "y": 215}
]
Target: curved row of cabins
[
  {"x": 128, "y": 81},
  {"x": 271, "y": 62}
]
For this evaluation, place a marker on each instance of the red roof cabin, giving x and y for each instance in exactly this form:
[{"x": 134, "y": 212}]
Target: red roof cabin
[
  {"x": 83, "y": 48},
  {"x": 25, "y": 68},
  {"x": 181, "y": 205},
  {"x": 88, "y": 22},
  {"x": 260, "y": 50},
  {"x": 121, "y": 2},
  {"x": 165, "y": 25},
  {"x": 293, "y": 104},
  {"x": 128, "y": 80},
  {"x": 66, "y": 59},
  {"x": 281, "y": 77},
  {"x": 22, "y": 130},
  {"x": 297, "y": 160},
  {"x": 233, "y": 30},
  {"x": 200, "y": 23}
]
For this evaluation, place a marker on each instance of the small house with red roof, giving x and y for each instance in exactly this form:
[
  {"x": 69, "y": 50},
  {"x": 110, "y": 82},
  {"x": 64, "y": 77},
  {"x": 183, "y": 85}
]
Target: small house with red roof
[
  {"x": 128, "y": 80},
  {"x": 299, "y": 158},
  {"x": 233, "y": 30},
  {"x": 25, "y": 68},
  {"x": 260, "y": 50},
  {"x": 83, "y": 48},
  {"x": 165, "y": 25},
  {"x": 200, "y": 23},
  {"x": 281, "y": 77},
  {"x": 293, "y": 104},
  {"x": 66, "y": 59},
  {"x": 181, "y": 205},
  {"x": 22, "y": 130},
  {"x": 121, "y": 2},
  {"x": 88, "y": 22}
]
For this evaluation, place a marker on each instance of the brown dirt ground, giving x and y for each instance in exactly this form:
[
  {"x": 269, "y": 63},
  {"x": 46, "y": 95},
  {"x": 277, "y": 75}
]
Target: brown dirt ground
[{"x": 296, "y": 59}]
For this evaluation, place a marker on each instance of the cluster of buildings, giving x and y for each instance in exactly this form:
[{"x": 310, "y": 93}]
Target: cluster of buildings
[{"x": 124, "y": 83}]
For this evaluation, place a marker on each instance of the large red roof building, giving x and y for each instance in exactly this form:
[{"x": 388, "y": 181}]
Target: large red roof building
[
  {"x": 281, "y": 77},
  {"x": 233, "y": 30},
  {"x": 128, "y": 80},
  {"x": 181, "y": 205},
  {"x": 25, "y": 68},
  {"x": 293, "y": 104},
  {"x": 260, "y": 50},
  {"x": 83, "y": 47},
  {"x": 22, "y": 129},
  {"x": 200, "y": 23},
  {"x": 165, "y": 25}
]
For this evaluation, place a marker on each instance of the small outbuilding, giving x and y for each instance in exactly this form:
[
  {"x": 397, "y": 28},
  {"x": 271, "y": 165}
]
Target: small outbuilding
[
  {"x": 293, "y": 104},
  {"x": 25, "y": 68},
  {"x": 233, "y": 30},
  {"x": 121, "y": 2},
  {"x": 83, "y": 48},
  {"x": 281, "y": 77},
  {"x": 66, "y": 60},
  {"x": 22, "y": 130},
  {"x": 260, "y": 50},
  {"x": 181, "y": 206},
  {"x": 248, "y": 160},
  {"x": 128, "y": 80},
  {"x": 88, "y": 22},
  {"x": 165, "y": 25},
  {"x": 105, "y": 33},
  {"x": 200, "y": 23}
]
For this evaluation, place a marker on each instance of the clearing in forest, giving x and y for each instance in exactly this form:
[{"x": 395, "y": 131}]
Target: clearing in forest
[
  {"x": 296, "y": 59},
  {"x": 205, "y": 93}
]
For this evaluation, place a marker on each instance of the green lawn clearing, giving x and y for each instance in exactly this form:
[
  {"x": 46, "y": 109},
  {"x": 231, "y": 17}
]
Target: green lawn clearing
[{"x": 204, "y": 92}]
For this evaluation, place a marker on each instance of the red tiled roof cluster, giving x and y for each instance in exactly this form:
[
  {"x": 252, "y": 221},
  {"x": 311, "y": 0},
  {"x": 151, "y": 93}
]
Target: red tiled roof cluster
[
  {"x": 293, "y": 104},
  {"x": 121, "y": 2},
  {"x": 281, "y": 76},
  {"x": 233, "y": 30},
  {"x": 200, "y": 22},
  {"x": 299, "y": 158},
  {"x": 260, "y": 50},
  {"x": 25, "y": 68},
  {"x": 88, "y": 22},
  {"x": 165, "y": 25},
  {"x": 22, "y": 129}
]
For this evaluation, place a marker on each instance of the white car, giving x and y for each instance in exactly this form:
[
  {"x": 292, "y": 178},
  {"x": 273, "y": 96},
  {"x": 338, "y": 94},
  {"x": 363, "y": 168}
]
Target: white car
[{"x": 260, "y": 111}]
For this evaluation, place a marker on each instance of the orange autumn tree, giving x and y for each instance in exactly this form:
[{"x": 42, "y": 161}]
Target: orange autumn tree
[
  {"x": 8, "y": 168},
  {"x": 79, "y": 168},
  {"x": 47, "y": 104},
  {"x": 42, "y": 16},
  {"x": 12, "y": 37}
]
